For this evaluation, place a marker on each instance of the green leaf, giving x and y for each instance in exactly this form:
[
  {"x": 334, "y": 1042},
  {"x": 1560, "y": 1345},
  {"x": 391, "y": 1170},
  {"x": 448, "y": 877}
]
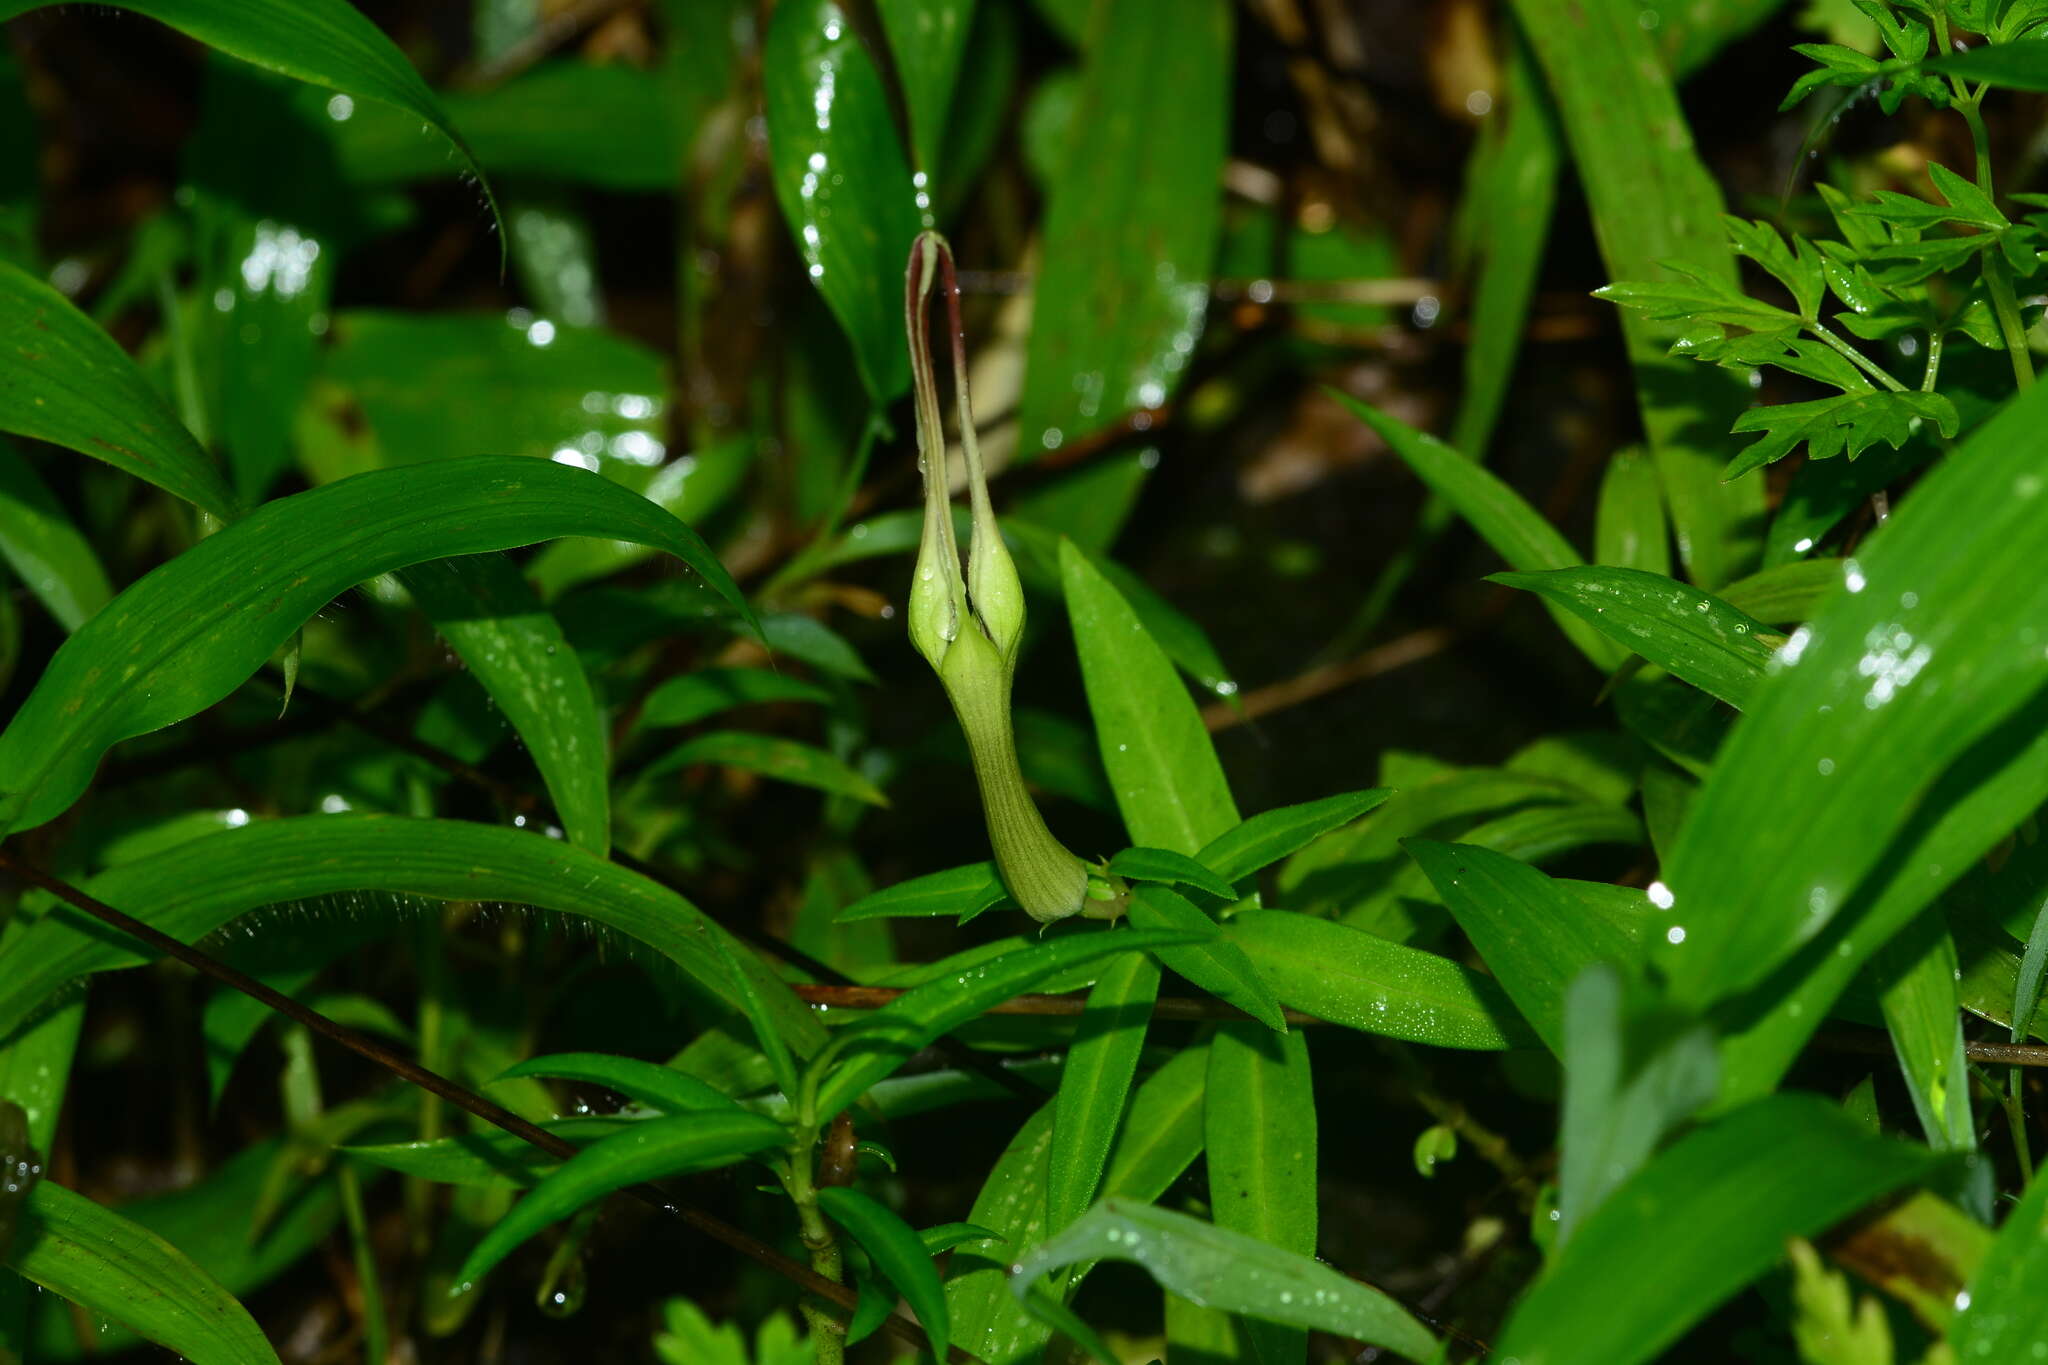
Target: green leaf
[
  {"x": 1697, "y": 297},
  {"x": 987, "y": 1321},
  {"x": 1516, "y": 531},
  {"x": 1217, "y": 1268},
  {"x": 785, "y": 760},
  {"x": 1213, "y": 963},
  {"x": 1785, "y": 594},
  {"x": 1168, "y": 782},
  {"x": 1916, "y": 975},
  {"x": 1786, "y": 1166},
  {"x": 646, "y": 1082},
  {"x": 65, "y": 381},
  {"x": 1689, "y": 633},
  {"x": 1832, "y": 1328},
  {"x": 890, "y": 1035},
  {"x": 898, "y": 1254},
  {"x": 1271, "y": 835},
  {"x": 842, "y": 181},
  {"x": 1163, "y": 865},
  {"x": 1796, "y": 264},
  {"x": 106, "y": 1263},
  {"x": 927, "y": 39},
  {"x": 963, "y": 891},
  {"x": 1532, "y": 932},
  {"x": 1656, "y": 213},
  {"x": 489, "y": 1157},
  {"x": 707, "y": 691},
  {"x": 513, "y": 645},
  {"x": 1132, "y": 220},
  {"x": 1630, "y": 1077},
  {"x": 188, "y": 634},
  {"x": 40, "y": 543},
  {"x": 1915, "y": 661},
  {"x": 2004, "y": 1315},
  {"x": 1848, "y": 424},
  {"x": 1095, "y": 1082},
  {"x": 2007, "y": 66},
  {"x": 20, "y": 1169},
  {"x": 322, "y": 42},
  {"x": 196, "y": 887},
  {"x": 1262, "y": 1153},
  {"x": 1371, "y": 984},
  {"x": 1629, "y": 530},
  {"x": 653, "y": 1150}
]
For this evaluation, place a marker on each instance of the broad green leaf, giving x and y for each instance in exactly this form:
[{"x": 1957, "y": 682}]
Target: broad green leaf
[
  {"x": 1212, "y": 962},
  {"x": 1516, "y": 531},
  {"x": 436, "y": 385},
  {"x": 65, "y": 381},
  {"x": 987, "y": 1322},
  {"x": 1630, "y": 531},
  {"x": 322, "y": 42},
  {"x": 1176, "y": 869},
  {"x": 104, "y": 1262},
  {"x": 1691, "y": 634},
  {"x": 1654, "y": 206},
  {"x": 1922, "y": 1251},
  {"x": 488, "y": 1157},
  {"x": 1371, "y": 984},
  {"x": 2026, "y": 993},
  {"x": 1168, "y": 782},
  {"x": 193, "y": 889},
  {"x": 1271, "y": 835},
  {"x": 2004, "y": 1313},
  {"x": 1533, "y": 933},
  {"x": 1132, "y": 220},
  {"x": 785, "y": 760},
  {"x": 1898, "y": 676},
  {"x": 1095, "y": 1082},
  {"x": 1785, "y": 594},
  {"x": 842, "y": 180},
  {"x": 809, "y": 640},
  {"x": 707, "y": 691},
  {"x": 890, "y": 1035},
  {"x": 928, "y": 39},
  {"x": 513, "y": 646},
  {"x": 1218, "y": 1268},
  {"x": 1916, "y": 975},
  {"x": 1629, "y": 1078},
  {"x": 565, "y": 122},
  {"x": 1262, "y": 1153},
  {"x": 188, "y": 634},
  {"x": 691, "y": 487},
  {"x": 963, "y": 891},
  {"x": 1786, "y": 1166},
  {"x": 40, "y": 543},
  {"x": 898, "y": 1254},
  {"x": 2008, "y": 66},
  {"x": 653, "y": 1150},
  {"x": 646, "y": 1082}
]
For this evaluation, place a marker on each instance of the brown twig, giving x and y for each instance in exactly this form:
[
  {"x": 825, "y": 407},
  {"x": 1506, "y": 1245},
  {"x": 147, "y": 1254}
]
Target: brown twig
[
  {"x": 549, "y": 34},
  {"x": 463, "y": 1098},
  {"x": 1320, "y": 681}
]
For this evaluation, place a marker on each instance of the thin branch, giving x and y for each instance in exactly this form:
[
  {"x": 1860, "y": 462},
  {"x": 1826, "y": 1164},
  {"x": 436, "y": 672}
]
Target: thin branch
[
  {"x": 460, "y": 1096},
  {"x": 1328, "y": 678}
]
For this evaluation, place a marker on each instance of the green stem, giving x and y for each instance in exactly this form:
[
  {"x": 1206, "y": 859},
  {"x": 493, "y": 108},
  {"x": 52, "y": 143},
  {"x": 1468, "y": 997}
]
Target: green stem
[
  {"x": 1856, "y": 357},
  {"x": 2006, "y": 307},
  {"x": 1934, "y": 345},
  {"x": 376, "y": 1330},
  {"x": 2016, "y": 1119},
  {"x": 828, "y": 1339}
]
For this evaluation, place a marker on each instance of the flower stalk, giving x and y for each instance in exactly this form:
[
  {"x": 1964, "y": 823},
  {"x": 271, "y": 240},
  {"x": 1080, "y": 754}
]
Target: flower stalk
[{"x": 968, "y": 628}]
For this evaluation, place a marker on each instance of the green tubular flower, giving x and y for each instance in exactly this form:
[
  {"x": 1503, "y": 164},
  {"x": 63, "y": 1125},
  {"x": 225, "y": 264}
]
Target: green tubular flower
[{"x": 968, "y": 629}]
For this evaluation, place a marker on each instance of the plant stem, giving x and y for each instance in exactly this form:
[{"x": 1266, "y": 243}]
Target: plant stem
[
  {"x": 827, "y": 1333},
  {"x": 1856, "y": 357},
  {"x": 2015, "y": 1108},
  {"x": 1998, "y": 283},
  {"x": 1934, "y": 345}
]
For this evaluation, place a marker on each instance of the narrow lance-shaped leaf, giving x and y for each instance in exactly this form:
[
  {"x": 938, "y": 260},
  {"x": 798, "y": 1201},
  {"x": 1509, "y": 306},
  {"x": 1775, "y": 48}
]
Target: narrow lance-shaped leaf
[
  {"x": 1786, "y": 1166},
  {"x": 785, "y": 760},
  {"x": 187, "y": 634},
  {"x": 646, "y": 1151},
  {"x": 1132, "y": 220},
  {"x": 102, "y": 1261},
  {"x": 1690, "y": 633},
  {"x": 1095, "y": 1082},
  {"x": 65, "y": 381},
  {"x": 1217, "y": 1268},
  {"x": 913, "y": 1019},
  {"x": 928, "y": 38},
  {"x": 1262, "y": 1153},
  {"x": 898, "y": 1254},
  {"x": 40, "y": 543},
  {"x": 963, "y": 891},
  {"x": 1164, "y": 865},
  {"x": 2004, "y": 1313},
  {"x": 198, "y": 886},
  {"x": 1271, "y": 835},
  {"x": 647, "y": 1082},
  {"x": 1212, "y": 962}
]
